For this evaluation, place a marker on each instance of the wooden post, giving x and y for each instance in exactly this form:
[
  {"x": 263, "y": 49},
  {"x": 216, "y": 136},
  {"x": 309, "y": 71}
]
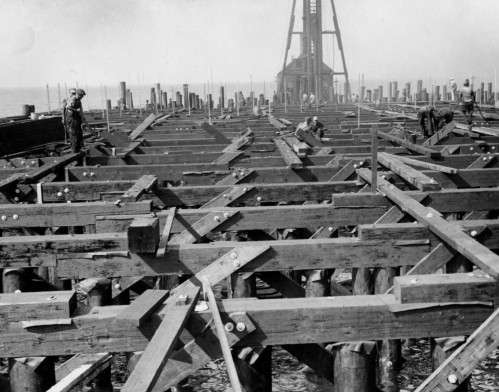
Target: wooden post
[
  {"x": 33, "y": 374},
  {"x": 440, "y": 353},
  {"x": 99, "y": 294},
  {"x": 354, "y": 370},
  {"x": 389, "y": 351}
]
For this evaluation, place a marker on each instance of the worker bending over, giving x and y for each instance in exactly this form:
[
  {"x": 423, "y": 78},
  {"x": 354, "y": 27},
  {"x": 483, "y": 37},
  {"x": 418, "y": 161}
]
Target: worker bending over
[
  {"x": 317, "y": 128},
  {"x": 427, "y": 112},
  {"x": 444, "y": 116}
]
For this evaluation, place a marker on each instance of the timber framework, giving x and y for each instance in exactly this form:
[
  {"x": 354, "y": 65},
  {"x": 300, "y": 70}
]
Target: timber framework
[{"x": 192, "y": 218}]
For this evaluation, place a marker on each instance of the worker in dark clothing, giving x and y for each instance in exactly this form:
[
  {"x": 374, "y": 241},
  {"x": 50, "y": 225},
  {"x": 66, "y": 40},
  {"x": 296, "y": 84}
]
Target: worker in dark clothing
[
  {"x": 427, "y": 112},
  {"x": 72, "y": 92},
  {"x": 467, "y": 97},
  {"x": 74, "y": 120},
  {"x": 444, "y": 116},
  {"x": 317, "y": 128}
]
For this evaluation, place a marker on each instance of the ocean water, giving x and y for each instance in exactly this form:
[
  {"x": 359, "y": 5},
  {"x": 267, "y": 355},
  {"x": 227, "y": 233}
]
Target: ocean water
[{"x": 12, "y": 100}]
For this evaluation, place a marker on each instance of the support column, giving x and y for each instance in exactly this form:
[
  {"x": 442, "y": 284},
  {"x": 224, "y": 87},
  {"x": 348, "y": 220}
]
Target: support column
[{"x": 33, "y": 374}]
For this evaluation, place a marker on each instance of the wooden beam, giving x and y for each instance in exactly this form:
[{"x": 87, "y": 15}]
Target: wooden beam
[
  {"x": 465, "y": 359},
  {"x": 142, "y": 185},
  {"x": 37, "y": 174},
  {"x": 165, "y": 235},
  {"x": 247, "y": 136},
  {"x": 300, "y": 148},
  {"x": 441, "y": 288},
  {"x": 426, "y": 165},
  {"x": 292, "y": 161},
  {"x": 213, "y": 132},
  {"x": 440, "y": 135},
  {"x": 131, "y": 148},
  {"x": 142, "y": 126},
  {"x": 227, "y": 158},
  {"x": 410, "y": 146},
  {"x": 202, "y": 227},
  {"x": 411, "y": 175},
  {"x": 381, "y": 317},
  {"x": 142, "y": 307},
  {"x": 482, "y": 161},
  {"x": 235, "y": 177},
  {"x": 228, "y": 197},
  {"x": 152, "y": 361}
]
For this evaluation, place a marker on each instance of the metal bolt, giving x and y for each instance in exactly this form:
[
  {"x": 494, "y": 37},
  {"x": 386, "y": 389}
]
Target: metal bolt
[
  {"x": 330, "y": 228},
  {"x": 226, "y": 215},
  {"x": 490, "y": 158},
  {"x": 234, "y": 174},
  {"x": 117, "y": 286},
  {"x": 452, "y": 379},
  {"x": 361, "y": 163},
  {"x": 59, "y": 194},
  {"x": 4, "y": 218},
  {"x": 383, "y": 177},
  {"x": 117, "y": 202},
  {"x": 258, "y": 198},
  {"x": 51, "y": 298},
  {"x": 66, "y": 190},
  {"x": 17, "y": 291},
  {"x": 484, "y": 158},
  {"x": 16, "y": 198},
  {"x": 233, "y": 255},
  {"x": 355, "y": 166},
  {"x": 414, "y": 281},
  {"x": 474, "y": 233},
  {"x": 229, "y": 327},
  {"x": 245, "y": 189},
  {"x": 389, "y": 364},
  {"x": 92, "y": 174},
  {"x": 18, "y": 190},
  {"x": 225, "y": 195},
  {"x": 152, "y": 215},
  {"x": 237, "y": 263},
  {"x": 69, "y": 201},
  {"x": 471, "y": 148},
  {"x": 22, "y": 162},
  {"x": 429, "y": 215},
  {"x": 15, "y": 217},
  {"x": 84, "y": 174},
  {"x": 217, "y": 218},
  {"x": 493, "y": 147},
  {"x": 240, "y": 326},
  {"x": 33, "y": 162}
]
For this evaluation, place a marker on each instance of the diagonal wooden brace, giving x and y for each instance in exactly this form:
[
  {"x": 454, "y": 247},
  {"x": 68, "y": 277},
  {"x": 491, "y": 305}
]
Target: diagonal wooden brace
[
  {"x": 142, "y": 185},
  {"x": 165, "y": 235},
  {"x": 227, "y": 197},
  {"x": 202, "y": 227}
]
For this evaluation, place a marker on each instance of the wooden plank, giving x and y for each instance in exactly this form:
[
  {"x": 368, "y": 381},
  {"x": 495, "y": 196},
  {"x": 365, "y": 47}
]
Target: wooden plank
[
  {"x": 426, "y": 165},
  {"x": 142, "y": 185},
  {"x": 142, "y": 307},
  {"x": 228, "y": 197},
  {"x": 116, "y": 139},
  {"x": 150, "y": 365},
  {"x": 227, "y": 157},
  {"x": 464, "y": 244},
  {"x": 142, "y": 126},
  {"x": 40, "y": 305},
  {"x": 345, "y": 172},
  {"x": 411, "y": 175},
  {"x": 450, "y": 149},
  {"x": 489, "y": 131},
  {"x": 247, "y": 136},
  {"x": 444, "y": 288},
  {"x": 235, "y": 177},
  {"x": 276, "y": 123},
  {"x": 325, "y": 151},
  {"x": 465, "y": 359},
  {"x": 440, "y": 135},
  {"x": 131, "y": 148},
  {"x": 200, "y": 351},
  {"x": 213, "y": 132},
  {"x": 165, "y": 235},
  {"x": 292, "y": 161},
  {"x": 91, "y": 366},
  {"x": 300, "y": 148},
  {"x": 202, "y": 227},
  {"x": 411, "y": 146}
]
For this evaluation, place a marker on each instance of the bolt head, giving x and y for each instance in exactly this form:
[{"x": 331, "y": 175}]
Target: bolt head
[
  {"x": 330, "y": 228},
  {"x": 85, "y": 174},
  {"x": 452, "y": 379},
  {"x": 216, "y": 218},
  {"x": 240, "y": 326},
  {"x": 225, "y": 195},
  {"x": 92, "y": 174},
  {"x": 355, "y": 166},
  {"x": 234, "y": 174},
  {"x": 429, "y": 215},
  {"x": 17, "y": 190},
  {"x": 484, "y": 158},
  {"x": 245, "y": 189},
  {"x": 4, "y": 218},
  {"x": 117, "y": 286},
  {"x": 17, "y": 291},
  {"x": 259, "y": 198},
  {"x": 233, "y": 255},
  {"x": 66, "y": 190},
  {"x": 16, "y": 198},
  {"x": 59, "y": 194},
  {"x": 237, "y": 263},
  {"x": 226, "y": 215},
  {"x": 229, "y": 327},
  {"x": 33, "y": 162},
  {"x": 471, "y": 148},
  {"x": 474, "y": 233},
  {"x": 15, "y": 217}
]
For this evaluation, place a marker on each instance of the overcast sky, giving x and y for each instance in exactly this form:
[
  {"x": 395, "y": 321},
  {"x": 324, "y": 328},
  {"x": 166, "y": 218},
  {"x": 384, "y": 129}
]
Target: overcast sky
[{"x": 175, "y": 41}]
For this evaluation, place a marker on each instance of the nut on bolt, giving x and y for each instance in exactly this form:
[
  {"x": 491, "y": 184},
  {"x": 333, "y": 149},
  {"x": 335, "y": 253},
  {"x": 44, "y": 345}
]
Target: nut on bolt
[
  {"x": 216, "y": 218},
  {"x": 229, "y": 327},
  {"x": 240, "y": 326},
  {"x": 15, "y": 217},
  {"x": 237, "y": 263},
  {"x": 85, "y": 174}
]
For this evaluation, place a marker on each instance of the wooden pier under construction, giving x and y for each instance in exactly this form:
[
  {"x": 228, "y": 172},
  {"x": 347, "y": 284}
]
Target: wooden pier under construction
[{"x": 187, "y": 217}]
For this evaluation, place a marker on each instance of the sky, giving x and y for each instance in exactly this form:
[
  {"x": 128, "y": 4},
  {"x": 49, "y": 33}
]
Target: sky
[{"x": 193, "y": 41}]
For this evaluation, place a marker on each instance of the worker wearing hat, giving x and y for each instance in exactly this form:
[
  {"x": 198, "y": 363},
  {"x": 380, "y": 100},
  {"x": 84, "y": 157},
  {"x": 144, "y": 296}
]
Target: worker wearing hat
[
  {"x": 427, "y": 112},
  {"x": 467, "y": 97},
  {"x": 318, "y": 128},
  {"x": 74, "y": 119},
  {"x": 443, "y": 117}
]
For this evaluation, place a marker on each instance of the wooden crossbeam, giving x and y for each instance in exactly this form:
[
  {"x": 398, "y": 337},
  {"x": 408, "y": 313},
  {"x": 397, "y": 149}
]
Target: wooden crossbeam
[
  {"x": 116, "y": 139},
  {"x": 150, "y": 365},
  {"x": 481, "y": 130},
  {"x": 427, "y": 165},
  {"x": 276, "y": 123},
  {"x": 292, "y": 161},
  {"x": 440, "y": 135},
  {"x": 227, "y": 197},
  {"x": 142, "y": 126},
  {"x": 235, "y": 177},
  {"x": 227, "y": 157},
  {"x": 213, "y": 132},
  {"x": 410, "y": 146},
  {"x": 345, "y": 172},
  {"x": 325, "y": 151},
  {"x": 465, "y": 359},
  {"x": 11, "y": 180},
  {"x": 131, "y": 148},
  {"x": 86, "y": 367},
  {"x": 411, "y": 175},
  {"x": 142, "y": 185},
  {"x": 165, "y": 235},
  {"x": 463, "y": 243},
  {"x": 300, "y": 148},
  {"x": 247, "y": 136},
  {"x": 202, "y": 227},
  {"x": 442, "y": 288},
  {"x": 142, "y": 307}
]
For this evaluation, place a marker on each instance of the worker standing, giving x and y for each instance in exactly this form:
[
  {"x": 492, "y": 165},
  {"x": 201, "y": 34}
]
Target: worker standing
[
  {"x": 75, "y": 119},
  {"x": 468, "y": 101},
  {"x": 312, "y": 98},
  {"x": 305, "y": 99},
  {"x": 427, "y": 112},
  {"x": 72, "y": 92},
  {"x": 453, "y": 89}
]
